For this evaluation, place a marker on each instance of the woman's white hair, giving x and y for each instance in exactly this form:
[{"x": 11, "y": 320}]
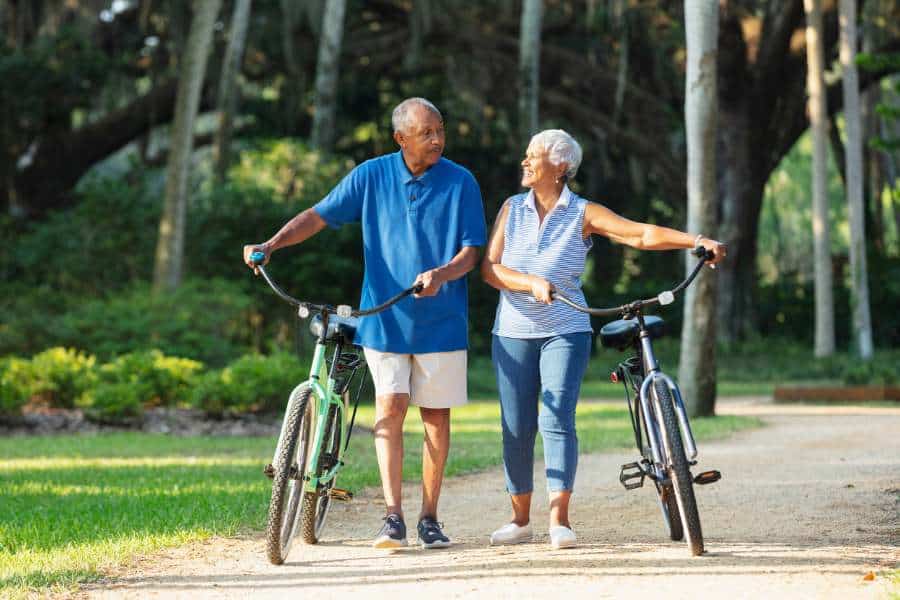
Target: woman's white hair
[
  {"x": 400, "y": 119},
  {"x": 561, "y": 148}
]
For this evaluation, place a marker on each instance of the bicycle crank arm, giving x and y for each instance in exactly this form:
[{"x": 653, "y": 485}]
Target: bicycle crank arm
[
  {"x": 707, "y": 477},
  {"x": 339, "y": 494}
]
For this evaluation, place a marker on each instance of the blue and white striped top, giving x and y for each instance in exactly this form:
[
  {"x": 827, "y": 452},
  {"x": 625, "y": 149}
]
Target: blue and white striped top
[{"x": 554, "y": 250}]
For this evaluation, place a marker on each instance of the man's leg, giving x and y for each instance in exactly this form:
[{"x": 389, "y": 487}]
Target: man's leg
[
  {"x": 434, "y": 457},
  {"x": 390, "y": 412}
]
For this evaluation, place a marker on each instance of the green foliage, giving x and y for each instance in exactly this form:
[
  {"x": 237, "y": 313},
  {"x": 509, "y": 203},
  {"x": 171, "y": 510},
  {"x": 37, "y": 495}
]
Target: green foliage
[
  {"x": 156, "y": 378},
  {"x": 14, "y": 372},
  {"x": 878, "y": 371},
  {"x": 208, "y": 320},
  {"x": 252, "y": 383},
  {"x": 60, "y": 375},
  {"x": 117, "y": 402}
]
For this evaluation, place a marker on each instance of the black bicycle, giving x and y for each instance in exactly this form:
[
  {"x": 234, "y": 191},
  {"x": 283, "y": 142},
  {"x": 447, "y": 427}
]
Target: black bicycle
[{"x": 662, "y": 431}]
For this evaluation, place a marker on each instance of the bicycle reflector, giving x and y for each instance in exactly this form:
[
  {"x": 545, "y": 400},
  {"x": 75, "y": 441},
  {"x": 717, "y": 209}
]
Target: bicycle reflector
[
  {"x": 666, "y": 298},
  {"x": 303, "y": 311},
  {"x": 614, "y": 377},
  {"x": 344, "y": 311}
]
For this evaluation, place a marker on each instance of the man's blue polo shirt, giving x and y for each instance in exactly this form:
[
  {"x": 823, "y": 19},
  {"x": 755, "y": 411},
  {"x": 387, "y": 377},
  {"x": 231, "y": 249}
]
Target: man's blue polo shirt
[{"x": 410, "y": 225}]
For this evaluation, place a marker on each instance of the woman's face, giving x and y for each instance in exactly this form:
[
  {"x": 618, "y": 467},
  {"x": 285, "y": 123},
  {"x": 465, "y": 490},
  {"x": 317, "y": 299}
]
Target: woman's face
[{"x": 537, "y": 170}]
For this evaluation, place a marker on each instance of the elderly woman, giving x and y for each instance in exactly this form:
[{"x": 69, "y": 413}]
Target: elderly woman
[{"x": 540, "y": 348}]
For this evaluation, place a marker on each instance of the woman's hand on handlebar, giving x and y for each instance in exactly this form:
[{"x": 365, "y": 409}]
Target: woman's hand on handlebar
[
  {"x": 542, "y": 290},
  {"x": 249, "y": 249},
  {"x": 719, "y": 250}
]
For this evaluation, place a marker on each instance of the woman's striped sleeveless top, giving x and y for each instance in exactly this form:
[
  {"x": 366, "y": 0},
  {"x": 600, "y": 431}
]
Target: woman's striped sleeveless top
[{"x": 554, "y": 250}]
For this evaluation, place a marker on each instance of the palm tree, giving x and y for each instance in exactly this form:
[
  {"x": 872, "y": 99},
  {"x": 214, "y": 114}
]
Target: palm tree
[
  {"x": 167, "y": 273},
  {"x": 697, "y": 369},
  {"x": 859, "y": 289},
  {"x": 327, "y": 69},
  {"x": 818, "y": 120},
  {"x": 529, "y": 66},
  {"x": 227, "y": 98}
]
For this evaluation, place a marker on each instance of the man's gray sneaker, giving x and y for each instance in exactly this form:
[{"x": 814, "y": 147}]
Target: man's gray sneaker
[
  {"x": 430, "y": 534},
  {"x": 392, "y": 534}
]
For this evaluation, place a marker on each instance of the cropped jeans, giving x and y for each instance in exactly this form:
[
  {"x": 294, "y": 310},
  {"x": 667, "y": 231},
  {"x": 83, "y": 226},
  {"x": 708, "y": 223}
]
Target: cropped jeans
[{"x": 548, "y": 369}]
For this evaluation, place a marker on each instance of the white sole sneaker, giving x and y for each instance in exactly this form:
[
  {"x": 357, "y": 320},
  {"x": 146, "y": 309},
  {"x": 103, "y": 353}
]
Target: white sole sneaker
[
  {"x": 562, "y": 537},
  {"x": 512, "y": 534}
]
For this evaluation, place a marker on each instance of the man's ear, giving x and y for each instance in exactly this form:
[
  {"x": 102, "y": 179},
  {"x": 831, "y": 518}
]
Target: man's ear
[{"x": 398, "y": 137}]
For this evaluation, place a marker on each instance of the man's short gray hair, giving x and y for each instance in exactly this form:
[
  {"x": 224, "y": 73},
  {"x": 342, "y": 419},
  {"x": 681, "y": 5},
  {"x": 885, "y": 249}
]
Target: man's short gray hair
[
  {"x": 561, "y": 148},
  {"x": 400, "y": 118}
]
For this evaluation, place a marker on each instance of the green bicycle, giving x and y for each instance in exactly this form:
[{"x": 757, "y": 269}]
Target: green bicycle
[{"x": 315, "y": 432}]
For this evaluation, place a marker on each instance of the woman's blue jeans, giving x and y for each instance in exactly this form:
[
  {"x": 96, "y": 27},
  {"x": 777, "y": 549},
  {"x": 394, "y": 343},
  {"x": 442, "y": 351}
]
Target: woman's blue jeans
[{"x": 551, "y": 369}]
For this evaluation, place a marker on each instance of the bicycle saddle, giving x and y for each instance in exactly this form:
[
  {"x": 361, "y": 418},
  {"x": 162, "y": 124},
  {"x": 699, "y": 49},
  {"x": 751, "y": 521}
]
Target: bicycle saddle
[
  {"x": 339, "y": 328},
  {"x": 622, "y": 333}
]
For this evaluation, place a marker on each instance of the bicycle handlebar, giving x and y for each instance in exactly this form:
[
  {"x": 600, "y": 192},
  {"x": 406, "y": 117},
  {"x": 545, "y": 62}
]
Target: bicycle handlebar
[
  {"x": 342, "y": 310},
  {"x": 664, "y": 298}
]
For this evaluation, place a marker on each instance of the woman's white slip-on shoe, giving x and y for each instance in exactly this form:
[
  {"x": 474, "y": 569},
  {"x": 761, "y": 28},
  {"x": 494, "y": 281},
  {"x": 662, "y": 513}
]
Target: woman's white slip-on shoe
[
  {"x": 512, "y": 534},
  {"x": 562, "y": 537}
]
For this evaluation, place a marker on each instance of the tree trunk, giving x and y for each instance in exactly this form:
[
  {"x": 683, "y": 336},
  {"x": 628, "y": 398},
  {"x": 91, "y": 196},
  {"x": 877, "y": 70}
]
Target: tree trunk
[
  {"x": 419, "y": 25},
  {"x": 292, "y": 96},
  {"x": 818, "y": 119},
  {"x": 228, "y": 93},
  {"x": 327, "y": 70},
  {"x": 697, "y": 370},
  {"x": 529, "y": 67},
  {"x": 167, "y": 273},
  {"x": 859, "y": 290}
]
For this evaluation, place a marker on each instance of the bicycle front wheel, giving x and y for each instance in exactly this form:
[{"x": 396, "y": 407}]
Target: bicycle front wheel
[
  {"x": 678, "y": 468},
  {"x": 315, "y": 506},
  {"x": 669, "y": 508},
  {"x": 290, "y": 466}
]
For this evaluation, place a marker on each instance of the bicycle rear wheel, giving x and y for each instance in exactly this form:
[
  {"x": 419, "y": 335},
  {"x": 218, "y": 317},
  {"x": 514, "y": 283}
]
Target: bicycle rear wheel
[
  {"x": 678, "y": 467},
  {"x": 290, "y": 466},
  {"x": 314, "y": 509}
]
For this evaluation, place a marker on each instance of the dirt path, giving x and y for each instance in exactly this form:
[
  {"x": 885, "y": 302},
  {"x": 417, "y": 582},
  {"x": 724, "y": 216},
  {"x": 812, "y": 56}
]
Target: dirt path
[{"x": 807, "y": 506}]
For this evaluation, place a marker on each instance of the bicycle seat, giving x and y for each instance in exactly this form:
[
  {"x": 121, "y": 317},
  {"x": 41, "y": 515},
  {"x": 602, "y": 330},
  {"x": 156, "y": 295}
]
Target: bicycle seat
[
  {"x": 339, "y": 329},
  {"x": 622, "y": 333}
]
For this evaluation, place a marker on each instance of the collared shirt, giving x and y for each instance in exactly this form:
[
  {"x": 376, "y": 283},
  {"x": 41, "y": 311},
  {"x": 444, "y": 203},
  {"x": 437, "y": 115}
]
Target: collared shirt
[
  {"x": 410, "y": 225},
  {"x": 554, "y": 249}
]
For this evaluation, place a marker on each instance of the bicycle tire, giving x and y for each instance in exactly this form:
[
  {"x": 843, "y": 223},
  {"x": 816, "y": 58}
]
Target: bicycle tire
[
  {"x": 286, "y": 490},
  {"x": 679, "y": 469},
  {"x": 314, "y": 509}
]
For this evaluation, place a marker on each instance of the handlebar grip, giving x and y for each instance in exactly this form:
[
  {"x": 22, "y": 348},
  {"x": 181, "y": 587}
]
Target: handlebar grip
[
  {"x": 257, "y": 258},
  {"x": 703, "y": 254},
  {"x": 418, "y": 288}
]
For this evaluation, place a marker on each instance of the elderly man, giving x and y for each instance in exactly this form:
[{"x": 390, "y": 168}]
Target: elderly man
[{"x": 422, "y": 220}]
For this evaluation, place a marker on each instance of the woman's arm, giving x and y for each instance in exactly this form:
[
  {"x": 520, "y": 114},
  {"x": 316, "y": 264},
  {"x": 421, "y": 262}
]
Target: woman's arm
[
  {"x": 504, "y": 278},
  {"x": 643, "y": 236}
]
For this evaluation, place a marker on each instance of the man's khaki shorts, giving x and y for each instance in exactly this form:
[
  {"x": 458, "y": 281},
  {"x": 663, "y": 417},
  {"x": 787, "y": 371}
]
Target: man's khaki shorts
[{"x": 432, "y": 380}]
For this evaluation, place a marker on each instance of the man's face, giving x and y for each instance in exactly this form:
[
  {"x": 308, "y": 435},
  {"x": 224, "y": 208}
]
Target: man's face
[{"x": 423, "y": 139}]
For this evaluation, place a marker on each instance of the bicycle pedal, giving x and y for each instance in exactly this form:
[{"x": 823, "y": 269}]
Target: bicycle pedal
[
  {"x": 629, "y": 473},
  {"x": 707, "y": 477},
  {"x": 339, "y": 494},
  {"x": 269, "y": 471}
]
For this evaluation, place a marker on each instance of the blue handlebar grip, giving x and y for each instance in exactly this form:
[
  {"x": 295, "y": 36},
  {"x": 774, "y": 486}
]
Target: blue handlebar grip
[{"x": 257, "y": 258}]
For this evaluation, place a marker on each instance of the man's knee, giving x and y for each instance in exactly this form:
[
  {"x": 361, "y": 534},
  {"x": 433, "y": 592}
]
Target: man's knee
[
  {"x": 435, "y": 417},
  {"x": 390, "y": 409}
]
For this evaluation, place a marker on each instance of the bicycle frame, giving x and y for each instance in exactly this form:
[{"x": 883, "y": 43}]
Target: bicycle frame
[{"x": 324, "y": 397}]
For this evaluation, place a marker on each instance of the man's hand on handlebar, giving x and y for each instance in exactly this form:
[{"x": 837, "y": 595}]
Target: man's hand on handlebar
[
  {"x": 719, "y": 250},
  {"x": 250, "y": 249},
  {"x": 430, "y": 282}
]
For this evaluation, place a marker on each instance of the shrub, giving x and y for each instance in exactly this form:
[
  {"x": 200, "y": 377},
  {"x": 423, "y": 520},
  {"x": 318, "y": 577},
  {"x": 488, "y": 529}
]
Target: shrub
[
  {"x": 252, "y": 383},
  {"x": 158, "y": 379},
  {"x": 118, "y": 402},
  {"x": 207, "y": 320},
  {"x": 13, "y": 390},
  {"x": 871, "y": 372},
  {"x": 59, "y": 376}
]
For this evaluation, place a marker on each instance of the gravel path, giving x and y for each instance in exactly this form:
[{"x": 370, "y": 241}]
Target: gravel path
[{"x": 806, "y": 508}]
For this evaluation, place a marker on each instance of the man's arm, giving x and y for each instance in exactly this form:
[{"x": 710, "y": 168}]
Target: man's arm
[
  {"x": 302, "y": 227},
  {"x": 462, "y": 263}
]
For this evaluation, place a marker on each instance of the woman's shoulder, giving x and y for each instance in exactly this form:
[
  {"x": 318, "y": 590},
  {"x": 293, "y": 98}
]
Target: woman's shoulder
[{"x": 515, "y": 201}]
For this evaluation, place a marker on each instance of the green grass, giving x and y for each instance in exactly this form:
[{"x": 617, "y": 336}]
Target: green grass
[{"x": 72, "y": 507}]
